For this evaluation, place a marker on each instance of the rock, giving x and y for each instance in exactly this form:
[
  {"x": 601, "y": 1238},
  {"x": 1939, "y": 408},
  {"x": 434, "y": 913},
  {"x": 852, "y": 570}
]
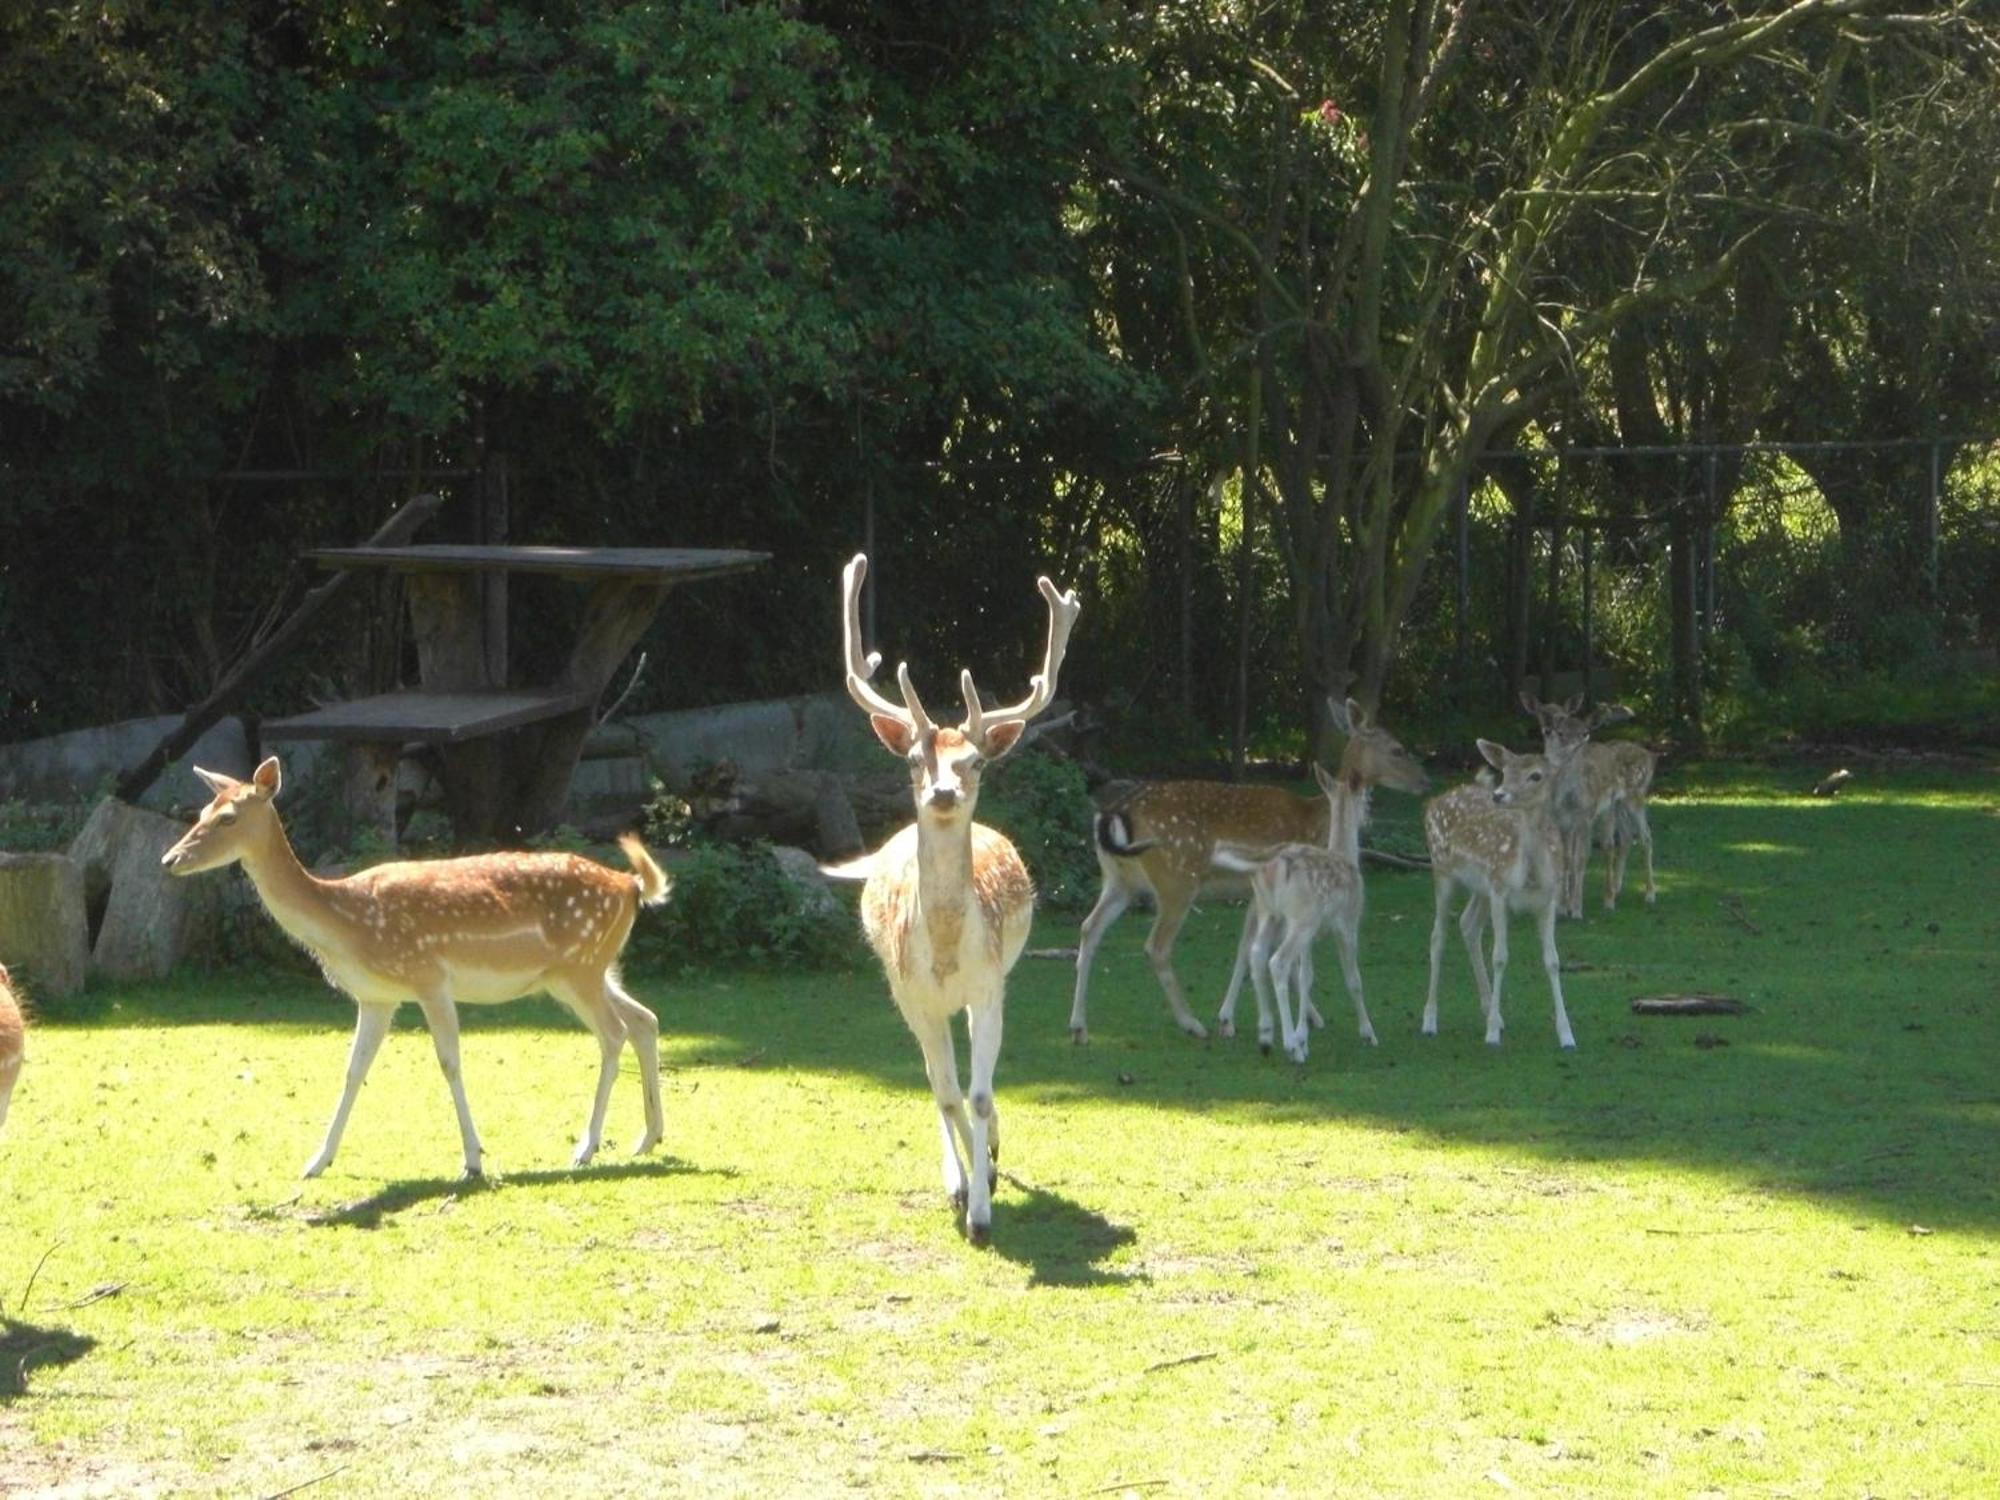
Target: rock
[
  {"x": 802, "y": 870},
  {"x": 152, "y": 922},
  {"x": 44, "y": 935}
]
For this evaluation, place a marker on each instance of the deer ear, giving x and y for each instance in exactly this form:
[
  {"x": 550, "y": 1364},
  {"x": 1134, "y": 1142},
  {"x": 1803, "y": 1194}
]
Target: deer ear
[
  {"x": 1001, "y": 737},
  {"x": 267, "y": 778},
  {"x": 1341, "y": 714},
  {"x": 215, "y": 781},
  {"x": 1528, "y": 702},
  {"x": 1326, "y": 782},
  {"x": 1496, "y": 755},
  {"x": 895, "y": 734},
  {"x": 1574, "y": 705}
]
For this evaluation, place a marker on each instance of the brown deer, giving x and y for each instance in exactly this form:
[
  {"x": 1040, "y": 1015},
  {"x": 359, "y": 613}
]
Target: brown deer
[
  {"x": 1297, "y": 889},
  {"x": 478, "y": 930},
  {"x": 1500, "y": 843},
  {"x": 13, "y": 1041},
  {"x": 1160, "y": 840},
  {"x": 948, "y": 903},
  {"x": 1603, "y": 782}
]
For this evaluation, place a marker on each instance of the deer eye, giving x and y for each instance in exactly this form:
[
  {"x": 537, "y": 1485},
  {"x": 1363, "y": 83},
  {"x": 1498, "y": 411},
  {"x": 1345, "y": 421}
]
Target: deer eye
[
  {"x": 227, "y": 814},
  {"x": 1534, "y": 776}
]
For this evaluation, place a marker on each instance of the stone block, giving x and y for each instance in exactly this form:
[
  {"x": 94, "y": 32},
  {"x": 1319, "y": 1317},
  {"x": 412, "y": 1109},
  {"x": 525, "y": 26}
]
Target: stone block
[{"x": 44, "y": 935}]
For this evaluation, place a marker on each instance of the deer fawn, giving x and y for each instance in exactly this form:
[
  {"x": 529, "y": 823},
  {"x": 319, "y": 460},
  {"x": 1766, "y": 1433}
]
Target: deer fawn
[
  {"x": 479, "y": 930},
  {"x": 1499, "y": 842},
  {"x": 1600, "y": 781},
  {"x": 1298, "y": 889},
  {"x": 1161, "y": 840},
  {"x": 13, "y": 1041},
  {"x": 948, "y": 902}
]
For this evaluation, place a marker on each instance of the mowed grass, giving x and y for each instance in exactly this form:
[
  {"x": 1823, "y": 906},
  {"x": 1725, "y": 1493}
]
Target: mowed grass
[{"x": 1729, "y": 1255}]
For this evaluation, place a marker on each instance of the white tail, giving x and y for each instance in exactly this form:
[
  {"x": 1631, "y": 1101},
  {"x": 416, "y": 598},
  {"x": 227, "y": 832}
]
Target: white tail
[
  {"x": 1500, "y": 843},
  {"x": 13, "y": 1041},
  {"x": 1300, "y": 888},
  {"x": 478, "y": 930},
  {"x": 948, "y": 902},
  {"x": 1602, "y": 783}
]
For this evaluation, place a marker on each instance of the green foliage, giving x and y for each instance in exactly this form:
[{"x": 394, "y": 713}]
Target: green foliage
[
  {"x": 1042, "y": 803},
  {"x": 732, "y": 906},
  {"x": 35, "y": 827}
]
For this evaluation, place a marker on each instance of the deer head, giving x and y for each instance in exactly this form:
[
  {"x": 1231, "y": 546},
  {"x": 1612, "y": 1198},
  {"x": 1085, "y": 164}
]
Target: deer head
[
  {"x": 1525, "y": 780},
  {"x": 233, "y": 824},
  {"x": 1373, "y": 757},
  {"x": 1565, "y": 726},
  {"x": 945, "y": 764}
]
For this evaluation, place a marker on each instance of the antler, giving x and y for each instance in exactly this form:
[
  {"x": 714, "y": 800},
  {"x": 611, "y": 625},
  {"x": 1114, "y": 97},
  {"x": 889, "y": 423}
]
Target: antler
[
  {"x": 1063, "y": 610},
  {"x": 859, "y": 667}
]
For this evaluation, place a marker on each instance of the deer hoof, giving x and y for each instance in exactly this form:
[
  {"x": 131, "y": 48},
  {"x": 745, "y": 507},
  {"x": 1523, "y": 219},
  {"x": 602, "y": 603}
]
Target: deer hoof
[
  {"x": 1079, "y": 1036},
  {"x": 1369, "y": 1038},
  {"x": 1195, "y": 1029},
  {"x": 1225, "y": 1028},
  {"x": 978, "y": 1235},
  {"x": 585, "y": 1150}
]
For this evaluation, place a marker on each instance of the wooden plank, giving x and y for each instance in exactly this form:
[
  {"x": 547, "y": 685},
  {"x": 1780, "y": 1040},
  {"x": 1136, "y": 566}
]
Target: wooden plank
[
  {"x": 408, "y": 518},
  {"x": 434, "y": 718},
  {"x": 655, "y": 564}
]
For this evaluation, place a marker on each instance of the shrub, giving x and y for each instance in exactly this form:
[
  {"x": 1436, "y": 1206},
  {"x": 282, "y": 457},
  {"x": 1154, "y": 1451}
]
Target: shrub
[
  {"x": 734, "y": 905},
  {"x": 1041, "y": 802}
]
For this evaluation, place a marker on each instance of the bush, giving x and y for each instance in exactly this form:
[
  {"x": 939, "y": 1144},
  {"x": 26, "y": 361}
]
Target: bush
[
  {"x": 734, "y": 905},
  {"x": 1042, "y": 803}
]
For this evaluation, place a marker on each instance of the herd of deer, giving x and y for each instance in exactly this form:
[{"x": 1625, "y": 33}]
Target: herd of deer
[{"x": 947, "y": 902}]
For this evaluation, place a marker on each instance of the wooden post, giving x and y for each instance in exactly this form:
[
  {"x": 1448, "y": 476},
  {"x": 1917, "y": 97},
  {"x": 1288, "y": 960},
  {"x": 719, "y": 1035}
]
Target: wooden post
[{"x": 490, "y": 529}]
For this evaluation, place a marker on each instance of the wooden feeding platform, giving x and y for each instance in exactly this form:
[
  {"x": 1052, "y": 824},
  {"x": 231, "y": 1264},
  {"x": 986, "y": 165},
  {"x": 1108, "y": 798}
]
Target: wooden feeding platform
[{"x": 508, "y": 749}]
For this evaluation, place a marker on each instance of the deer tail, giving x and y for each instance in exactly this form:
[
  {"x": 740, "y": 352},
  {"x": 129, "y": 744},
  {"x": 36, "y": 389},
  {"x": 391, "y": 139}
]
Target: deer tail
[
  {"x": 654, "y": 883},
  {"x": 1114, "y": 836}
]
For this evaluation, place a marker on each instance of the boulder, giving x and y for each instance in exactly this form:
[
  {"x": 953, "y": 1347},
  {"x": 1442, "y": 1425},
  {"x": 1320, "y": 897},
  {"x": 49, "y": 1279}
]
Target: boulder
[
  {"x": 802, "y": 870},
  {"x": 152, "y": 922},
  {"x": 44, "y": 936}
]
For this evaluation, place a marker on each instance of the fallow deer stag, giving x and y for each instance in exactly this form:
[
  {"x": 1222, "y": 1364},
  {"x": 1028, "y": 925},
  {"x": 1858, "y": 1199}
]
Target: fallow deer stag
[
  {"x": 1500, "y": 843},
  {"x": 1298, "y": 889},
  {"x": 478, "y": 930},
  {"x": 1601, "y": 782},
  {"x": 13, "y": 1041},
  {"x": 948, "y": 902}
]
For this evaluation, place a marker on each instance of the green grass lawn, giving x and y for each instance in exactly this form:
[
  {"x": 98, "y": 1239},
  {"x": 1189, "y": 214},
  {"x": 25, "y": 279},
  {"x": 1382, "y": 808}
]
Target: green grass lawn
[{"x": 1738, "y": 1255}]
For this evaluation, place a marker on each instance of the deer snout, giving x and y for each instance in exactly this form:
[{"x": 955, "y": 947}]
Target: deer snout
[{"x": 944, "y": 798}]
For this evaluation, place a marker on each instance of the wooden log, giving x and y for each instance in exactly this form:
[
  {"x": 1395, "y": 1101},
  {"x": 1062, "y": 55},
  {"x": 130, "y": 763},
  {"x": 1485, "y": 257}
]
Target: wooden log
[
  {"x": 1695, "y": 1003},
  {"x": 396, "y": 529}
]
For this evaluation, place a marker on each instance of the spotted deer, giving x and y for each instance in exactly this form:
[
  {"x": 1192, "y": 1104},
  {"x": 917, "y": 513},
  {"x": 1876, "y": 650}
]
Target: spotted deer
[
  {"x": 13, "y": 1041},
  {"x": 478, "y": 930},
  {"x": 1603, "y": 783},
  {"x": 1499, "y": 842},
  {"x": 1298, "y": 889},
  {"x": 1160, "y": 841},
  {"x": 948, "y": 903}
]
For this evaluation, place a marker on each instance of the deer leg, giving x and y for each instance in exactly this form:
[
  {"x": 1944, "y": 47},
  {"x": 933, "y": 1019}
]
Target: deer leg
[
  {"x": 1441, "y": 896},
  {"x": 1552, "y": 966},
  {"x": 1160, "y": 953},
  {"x": 1308, "y": 1012},
  {"x": 1225, "y": 1019},
  {"x": 983, "y": 1026},
  {"x": 1493, "y": 1022},
  {"x": 1111, "y": 904},
  {"x": 1577, "y": 850},
  {"x": 1288, "y": 969},
  {"x": 1644, "y": 825},
  {"x": 587, "y": 997},
  {"x": 1617, "y": 847},
  {"x": 941, "y": 1067},
  {"x": 1259, "y": 964},
  {"x": 1472, "y": 928},
  {"x": 643, "y": 1027},
  {"x": 370, "y": 1026},
  {"x": 1350, "y": 970},
  {"x": 442, "y": 1018}
]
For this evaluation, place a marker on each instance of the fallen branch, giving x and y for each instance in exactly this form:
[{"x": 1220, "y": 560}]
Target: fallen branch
[
  {"x": 1399, "y": 861},
  {"x": 1127, "y": 1484},
  {"x": 1733, "y": 904},
  {"x": 1699, "y": 1003},
  {"x": 23, "y": 1304},
  {"x": 1185, "y": 1359},
  {"x": 96, "y": 1294},
  {"x": 305, "y": 1484},
  {"x": 1050, "y": 953}
]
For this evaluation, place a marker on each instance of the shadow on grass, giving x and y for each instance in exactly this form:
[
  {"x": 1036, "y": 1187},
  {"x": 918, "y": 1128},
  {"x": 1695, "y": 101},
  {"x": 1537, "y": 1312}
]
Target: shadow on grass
[
  {"x": 25, "y": 1348},
  {"x": 1059, "y": 1240},
  {"x": 1861, "y": 930},
  {"x": 399, "y": 1197}
]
